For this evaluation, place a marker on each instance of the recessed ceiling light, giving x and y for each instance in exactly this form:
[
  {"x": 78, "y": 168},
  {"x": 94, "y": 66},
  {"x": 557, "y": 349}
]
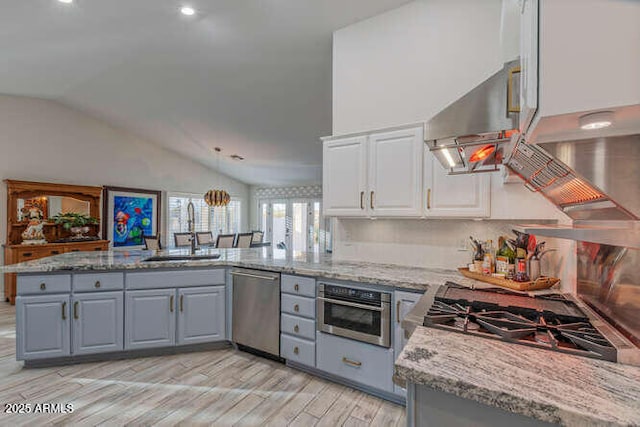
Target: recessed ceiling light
[
  {"x": 66, "y": 1},
  {"x": 598, "y": 120},
  {"x": 187, "y": 10}
]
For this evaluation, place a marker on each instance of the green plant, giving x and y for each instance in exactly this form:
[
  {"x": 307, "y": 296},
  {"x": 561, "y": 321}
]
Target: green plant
[{"x": 72, "y": 219}]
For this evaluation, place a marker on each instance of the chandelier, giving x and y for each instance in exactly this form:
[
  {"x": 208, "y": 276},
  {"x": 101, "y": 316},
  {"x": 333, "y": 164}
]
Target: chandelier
[{"x": 217, "y": 198}]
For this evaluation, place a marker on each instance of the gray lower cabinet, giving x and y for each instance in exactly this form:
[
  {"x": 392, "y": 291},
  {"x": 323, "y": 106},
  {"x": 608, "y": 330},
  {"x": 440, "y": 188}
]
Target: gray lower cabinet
[
  {"x": 98, "y": 322},
  {"x": 150, "y": 319},
  {"x": 357, "y": 361},
  {"x": 201, "y": 315},
  {"x": 404, "y": 303},
  {"x": 42, "y": 327}
]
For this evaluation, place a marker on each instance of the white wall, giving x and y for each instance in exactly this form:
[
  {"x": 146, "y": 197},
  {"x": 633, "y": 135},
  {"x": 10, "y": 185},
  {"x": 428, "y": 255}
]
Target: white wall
[
  {"x": 407, "y": 64},
  {"x": 42, "y": 140},
  {"x": 404, "y": 66}
]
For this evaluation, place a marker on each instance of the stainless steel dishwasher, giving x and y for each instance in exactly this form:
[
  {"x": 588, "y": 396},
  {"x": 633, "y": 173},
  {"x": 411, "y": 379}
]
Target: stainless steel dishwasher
[{"x": 256, "y": 310}]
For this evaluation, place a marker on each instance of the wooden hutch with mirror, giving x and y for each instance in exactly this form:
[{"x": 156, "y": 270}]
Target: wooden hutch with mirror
[{"x": 48, "y": 200}]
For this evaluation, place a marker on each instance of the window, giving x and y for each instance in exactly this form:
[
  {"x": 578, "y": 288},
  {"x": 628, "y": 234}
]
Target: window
[{"x": 219, "y": 220}]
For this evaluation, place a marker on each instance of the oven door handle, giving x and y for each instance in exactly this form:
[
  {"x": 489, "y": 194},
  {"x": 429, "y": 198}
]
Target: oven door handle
[{"x": 352, "y": 304}]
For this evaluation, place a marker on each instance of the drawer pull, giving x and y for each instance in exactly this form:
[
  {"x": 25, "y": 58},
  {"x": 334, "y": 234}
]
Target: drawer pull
[
  {"x": 64, "y": 310},
  {"x": 43, "y": 286},
  {"x": 75, "y": 250},
  {"x": 97, "y": 285},
  {"x": 296, "y": 287},
  {"x": 26, "y": 254},
  {"x": 296, "y": 308},
  {"x": 171, "y": 304},
  {"x": 351, "y": 362},
  {"x": 55, "y": 252},
  {"x": 296, "y": 350},
  {"x": 75, "y": 310},
  {"x": 296, "y": 329}
]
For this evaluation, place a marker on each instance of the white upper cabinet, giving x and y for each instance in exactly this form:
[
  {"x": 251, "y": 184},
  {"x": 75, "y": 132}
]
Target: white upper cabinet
[
  {"x": 467, "y": 196},
  {"x": 528, "y": 62},
  {"x": 344, "y": 180},
  {"x": 378, "y": 174},
  {"x": 395, "y": 173},
  {"x": 577, "y": 57}
]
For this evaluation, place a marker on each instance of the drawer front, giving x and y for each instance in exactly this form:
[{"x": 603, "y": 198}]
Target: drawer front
[
  {"x": 98, "y": 282},
  {"x": 175, "y": 279},
  {"x": 31, "y": 254},
  {"x": 299, "y": 306},
  {"x": 298, "y": 350},
  {"x": 298, "y": 285},
  {"x": 298, "y": 326},
  {"x": 34, "y": 285},
  {"x": 354, "y": 360}
]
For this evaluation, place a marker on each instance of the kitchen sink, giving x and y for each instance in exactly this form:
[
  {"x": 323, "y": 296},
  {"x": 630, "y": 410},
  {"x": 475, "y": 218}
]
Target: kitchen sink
[{"x": 180, "y": 258}]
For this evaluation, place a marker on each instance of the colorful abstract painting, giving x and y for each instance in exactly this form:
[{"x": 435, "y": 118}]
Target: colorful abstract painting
[
  {"x": 131, "y": 214},
  {"x": 133, "y": 218}
]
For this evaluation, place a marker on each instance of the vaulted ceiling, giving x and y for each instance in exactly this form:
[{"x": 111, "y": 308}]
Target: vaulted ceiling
[{"x": 250, "y": 76}]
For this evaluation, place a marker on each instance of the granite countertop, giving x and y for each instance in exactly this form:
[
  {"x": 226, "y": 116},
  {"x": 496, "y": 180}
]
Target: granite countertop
[
  {"x": 301, "y": 263},
  {"x": 549, "y": 386}
]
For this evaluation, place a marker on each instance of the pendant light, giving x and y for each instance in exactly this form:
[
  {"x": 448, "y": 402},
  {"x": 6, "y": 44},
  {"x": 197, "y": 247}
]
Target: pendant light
[{"x": 217, "y": 198}]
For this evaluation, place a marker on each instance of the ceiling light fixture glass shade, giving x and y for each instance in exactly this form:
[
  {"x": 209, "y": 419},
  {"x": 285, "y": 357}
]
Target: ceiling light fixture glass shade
[
  {"x": 217, "y": 198},
  {"x": 598, "y": 120},
  {"x": 66, "y": 1},
  {"x": 187, "y": 10}
]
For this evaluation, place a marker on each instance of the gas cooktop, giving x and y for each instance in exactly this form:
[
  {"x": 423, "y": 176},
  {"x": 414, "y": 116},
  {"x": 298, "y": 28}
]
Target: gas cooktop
[{"x": 551, "y": 322}]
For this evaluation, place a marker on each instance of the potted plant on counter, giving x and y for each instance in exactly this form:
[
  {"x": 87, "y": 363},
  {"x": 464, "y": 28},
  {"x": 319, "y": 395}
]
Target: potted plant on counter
[{"x": 77, "y": 223}]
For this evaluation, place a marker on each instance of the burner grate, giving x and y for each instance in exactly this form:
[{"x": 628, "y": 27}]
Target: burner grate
[{"x": 489, "y": 316}]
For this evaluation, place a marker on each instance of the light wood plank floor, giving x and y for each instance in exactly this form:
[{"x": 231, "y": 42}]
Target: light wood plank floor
[{"x": 222, "y": 387}]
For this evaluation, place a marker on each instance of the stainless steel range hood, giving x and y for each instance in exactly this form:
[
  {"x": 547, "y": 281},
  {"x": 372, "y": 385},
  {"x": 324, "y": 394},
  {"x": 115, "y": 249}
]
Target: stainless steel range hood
[
  {"x": 596, "y": 182},
  {"x": 479, "y": 120}
]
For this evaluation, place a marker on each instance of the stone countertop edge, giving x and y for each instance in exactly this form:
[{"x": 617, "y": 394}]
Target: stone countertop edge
[
  {"x": 549, "y": 386},
  {"x": 304, "y": 264}
]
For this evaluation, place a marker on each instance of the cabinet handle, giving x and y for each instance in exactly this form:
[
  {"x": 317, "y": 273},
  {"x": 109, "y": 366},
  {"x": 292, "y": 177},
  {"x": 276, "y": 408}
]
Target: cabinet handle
[
  {"x": 429, "y": 198},
  {"x": 26, "y": 254},
  {"x": 296, "y": 329},
  {"x": 43, "y": 286},
  {"x": 371, "y": 200},
  {"x": 398, "y": 312},
  {"x": 296, "y": 308},
  {"x": 510, "y": 91},
  {"x": 296, "y": 287},
  {"x": 75, "y": 310},
  {"x": 75, "y": 250},
  {"x": 64, "y": 310},
  {"x": 55, "y": 252},
  {"x": 296, "y": 350},
  {"x": 362, "y": 200},
  {"x": 181, "y": 303},
  {"x": 98, "y": 284},
  {"x": 351, "y": 362},
  {"x": 171, "y": 304}
]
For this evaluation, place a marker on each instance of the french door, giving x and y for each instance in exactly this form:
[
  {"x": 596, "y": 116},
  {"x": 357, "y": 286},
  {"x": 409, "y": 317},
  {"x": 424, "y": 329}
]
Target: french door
[{"x": 295, "y": 224}]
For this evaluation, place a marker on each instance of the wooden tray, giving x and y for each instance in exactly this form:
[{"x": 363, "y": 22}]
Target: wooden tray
[{"x": 542, "y": 282}]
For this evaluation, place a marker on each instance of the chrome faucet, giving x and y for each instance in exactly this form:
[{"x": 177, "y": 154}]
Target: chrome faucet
[{"x": 191, "y": 224}]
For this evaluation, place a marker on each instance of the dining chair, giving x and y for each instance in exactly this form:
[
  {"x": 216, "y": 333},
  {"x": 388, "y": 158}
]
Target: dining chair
[
  {"x": 152, "y": 243},
  {"x": 244, "y": 240},
  {"x": 182, "y": 240},
  {"x": 257, "y": 236},
  {"x": 225, "y": 241},
  {"x": 204, "y": 238}
]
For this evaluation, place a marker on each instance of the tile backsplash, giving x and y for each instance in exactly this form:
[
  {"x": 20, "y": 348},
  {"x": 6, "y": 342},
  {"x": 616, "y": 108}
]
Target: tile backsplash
[{"x": 439, "y": 243}]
